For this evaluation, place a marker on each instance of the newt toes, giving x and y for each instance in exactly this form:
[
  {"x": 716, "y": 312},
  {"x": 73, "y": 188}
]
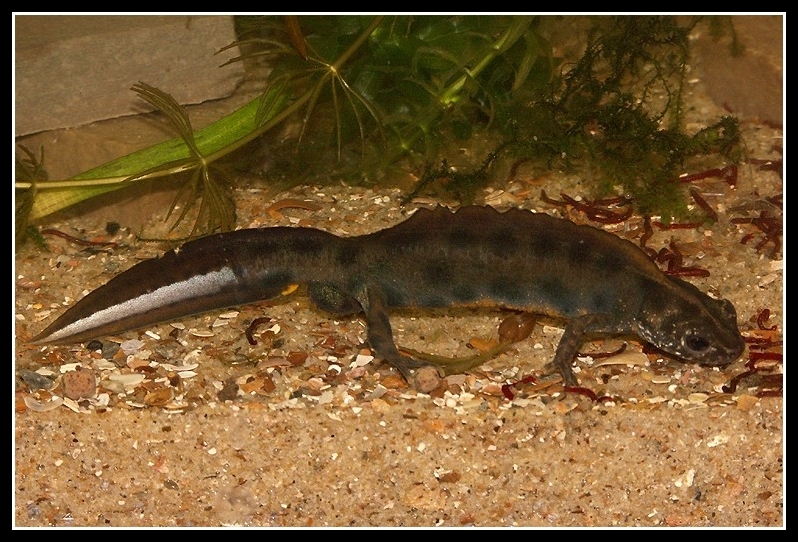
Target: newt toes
[{"x": 475, "y": 256}]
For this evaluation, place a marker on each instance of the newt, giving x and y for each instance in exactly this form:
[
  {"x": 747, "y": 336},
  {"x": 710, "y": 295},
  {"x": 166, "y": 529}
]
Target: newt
[{"x": 475, "y": 256}]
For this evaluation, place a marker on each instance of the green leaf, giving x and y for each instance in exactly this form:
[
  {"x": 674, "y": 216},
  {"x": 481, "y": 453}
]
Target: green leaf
[{"x": 158, "y": 160}]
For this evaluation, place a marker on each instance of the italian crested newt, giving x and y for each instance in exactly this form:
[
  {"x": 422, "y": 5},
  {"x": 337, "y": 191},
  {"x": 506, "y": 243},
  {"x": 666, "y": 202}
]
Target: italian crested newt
[{"x": 475, "y": 256}]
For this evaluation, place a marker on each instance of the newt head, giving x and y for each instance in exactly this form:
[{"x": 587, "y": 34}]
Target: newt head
[{"x": 688, "y": 324}]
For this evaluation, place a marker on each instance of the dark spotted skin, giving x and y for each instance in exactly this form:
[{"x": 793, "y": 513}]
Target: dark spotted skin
[{"x": 475, "y": 256}]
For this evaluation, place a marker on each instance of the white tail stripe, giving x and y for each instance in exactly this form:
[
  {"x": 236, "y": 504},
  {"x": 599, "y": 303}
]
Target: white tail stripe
[{"x": 171, "y": 294}]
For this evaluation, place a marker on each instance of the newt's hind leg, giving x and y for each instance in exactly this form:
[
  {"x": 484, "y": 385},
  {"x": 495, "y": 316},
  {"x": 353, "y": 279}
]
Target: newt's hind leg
[{"x": 422, "y": 375}]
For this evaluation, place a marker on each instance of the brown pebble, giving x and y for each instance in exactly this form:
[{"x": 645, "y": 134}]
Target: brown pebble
[
  {"x": 393, "y": 381},
  {"x": 449, "y": 477},
  {"x": 79, "y": 384},
  {"x": 427, "y": 379}
]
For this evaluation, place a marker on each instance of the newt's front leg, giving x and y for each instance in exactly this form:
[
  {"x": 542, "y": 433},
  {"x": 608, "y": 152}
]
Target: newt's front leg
[
  {"x": 572, "y": 338},
  {"x": 422, "y": 375}
]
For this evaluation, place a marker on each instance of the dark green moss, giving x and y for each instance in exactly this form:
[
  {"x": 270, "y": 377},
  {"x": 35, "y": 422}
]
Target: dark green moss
[{"x": 616, "y": 111}]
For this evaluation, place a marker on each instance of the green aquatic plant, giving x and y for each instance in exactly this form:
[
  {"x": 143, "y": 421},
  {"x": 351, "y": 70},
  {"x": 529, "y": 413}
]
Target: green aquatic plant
[
  {"x": 361, "y": 98},
  {"x": 617, "y": 112},
  {"x": 415, "y": 85}
]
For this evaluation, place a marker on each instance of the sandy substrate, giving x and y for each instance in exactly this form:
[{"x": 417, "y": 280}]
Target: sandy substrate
[
  {"x": 341, "y": 440},
  {"x": 193, "y": 426}
]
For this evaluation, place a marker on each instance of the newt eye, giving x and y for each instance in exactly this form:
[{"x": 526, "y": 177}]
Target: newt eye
[{"x": 695, "y": 342}]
